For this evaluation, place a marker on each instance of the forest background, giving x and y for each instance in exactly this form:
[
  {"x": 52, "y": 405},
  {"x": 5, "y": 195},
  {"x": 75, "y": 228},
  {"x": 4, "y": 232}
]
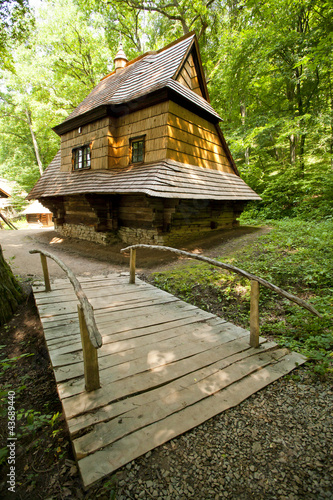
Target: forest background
[{"x": 268, "y": 64}]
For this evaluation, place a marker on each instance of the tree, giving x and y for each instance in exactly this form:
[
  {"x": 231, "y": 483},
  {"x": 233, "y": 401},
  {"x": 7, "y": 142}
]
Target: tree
[
  {"x": 66, "y": 56},
  {"x": 15, "y": 24},
  {"x": 10, "y": 291},
  {"x": 270, "y": 81}
]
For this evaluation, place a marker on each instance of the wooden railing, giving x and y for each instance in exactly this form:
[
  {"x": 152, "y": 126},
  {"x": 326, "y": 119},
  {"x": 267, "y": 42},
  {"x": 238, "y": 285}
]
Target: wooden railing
[
  {"x": 255, "y": 281},
  {"x": 90, "y": 336}
]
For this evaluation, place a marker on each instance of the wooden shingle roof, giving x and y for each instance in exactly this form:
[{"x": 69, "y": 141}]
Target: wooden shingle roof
[
  {"x": 6, "y": 188},
  {"x": 36, "y": 208},
  {"x": 141, "y": 77},
  {"x": 167, "y": 179}
]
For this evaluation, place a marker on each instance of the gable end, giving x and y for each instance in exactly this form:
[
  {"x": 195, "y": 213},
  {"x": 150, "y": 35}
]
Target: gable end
[{"x": 190, "y": 72}]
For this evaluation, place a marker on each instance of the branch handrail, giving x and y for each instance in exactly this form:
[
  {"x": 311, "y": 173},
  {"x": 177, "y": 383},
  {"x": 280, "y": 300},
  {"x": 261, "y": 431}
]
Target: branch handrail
[
  {"x": 91, "y": 337},
  {"x": 254, "y": 312},
  {"x": 94, "y": 335},
  {"x": 229, "y": 267}
]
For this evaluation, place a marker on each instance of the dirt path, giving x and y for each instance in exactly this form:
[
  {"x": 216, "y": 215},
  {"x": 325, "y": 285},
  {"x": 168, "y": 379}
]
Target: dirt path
[
  {"x": 16, "y": 246},
  {"x": 89, "y": 259}
]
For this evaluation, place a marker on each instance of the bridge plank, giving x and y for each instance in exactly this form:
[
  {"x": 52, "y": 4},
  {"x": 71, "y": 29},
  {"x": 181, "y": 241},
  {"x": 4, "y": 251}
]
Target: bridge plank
[
  {"x": 208, "y": 365},
  {"x": 140, "y": 346},
  {"x": 189, "y": 394},
  {"x": 117, "y": 385},
  {"x": 110, "y": 458},
  {"x": 147, "y": 358}
]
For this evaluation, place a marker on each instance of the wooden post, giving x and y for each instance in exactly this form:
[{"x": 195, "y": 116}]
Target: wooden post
[
  {"x": 132, "y": 265},
  {"x": 90, "y": 358},
  {"x": 46, "y": 273},
  {"x": 254, "y": 314}
]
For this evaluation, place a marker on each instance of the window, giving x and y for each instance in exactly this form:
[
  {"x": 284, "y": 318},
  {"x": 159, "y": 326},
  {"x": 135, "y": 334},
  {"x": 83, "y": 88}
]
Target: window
[
  {"x": 81, "y": 157},
  {"x": 137, "y": 149}
]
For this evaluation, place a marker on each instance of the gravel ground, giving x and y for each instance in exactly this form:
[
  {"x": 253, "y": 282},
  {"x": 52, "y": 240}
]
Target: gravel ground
[{"x": 275, "y": 445}]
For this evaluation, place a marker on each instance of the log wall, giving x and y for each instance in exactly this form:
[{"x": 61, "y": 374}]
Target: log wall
[
  {"x": 144, "y": 219},
  {"x": 43, "y": 219},
  {"x": 79, "y": 211}
]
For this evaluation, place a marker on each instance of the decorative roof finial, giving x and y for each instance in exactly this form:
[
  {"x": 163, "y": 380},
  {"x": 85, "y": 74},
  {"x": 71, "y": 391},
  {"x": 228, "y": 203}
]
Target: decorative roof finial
[{"x": 120, "y": 60}]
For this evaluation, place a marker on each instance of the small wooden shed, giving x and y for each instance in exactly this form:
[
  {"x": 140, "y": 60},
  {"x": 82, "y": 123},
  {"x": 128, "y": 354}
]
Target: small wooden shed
[
  {"x": 143, "y": 158},
  {"x": 5, "y": 194},
  {"x": 37, "y": 214}
]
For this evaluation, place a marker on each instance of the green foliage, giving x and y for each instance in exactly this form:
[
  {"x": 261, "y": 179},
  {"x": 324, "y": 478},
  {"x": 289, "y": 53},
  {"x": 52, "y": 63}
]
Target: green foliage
[
  {"x": 5, "y": 364},
  {"x": 15, "y": 24},
  {"x": 65, "y": 58},
  {"x": 30, "y": 421},
  {"x": 271, "y": 81},
  {"x": 297, "y": 256}
]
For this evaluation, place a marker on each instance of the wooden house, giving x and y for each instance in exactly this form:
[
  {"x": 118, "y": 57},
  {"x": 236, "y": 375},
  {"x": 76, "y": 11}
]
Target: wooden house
[
  {"x": 142, "y": 158},
  {"x": 4, "y": 196},
  {"x": 37, "y": 214},
  {"x": 6, "y": 188}
]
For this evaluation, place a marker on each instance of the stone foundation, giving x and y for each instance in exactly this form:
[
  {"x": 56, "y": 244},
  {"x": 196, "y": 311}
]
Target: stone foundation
[
  {"x": 87, "y": 233},
  {"x": 133, "y": 236}
]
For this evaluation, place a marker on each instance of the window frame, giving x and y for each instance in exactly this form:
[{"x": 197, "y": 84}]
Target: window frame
[
  {"x": 137, "y": 139},
  {"x": 84, "y": 159}
]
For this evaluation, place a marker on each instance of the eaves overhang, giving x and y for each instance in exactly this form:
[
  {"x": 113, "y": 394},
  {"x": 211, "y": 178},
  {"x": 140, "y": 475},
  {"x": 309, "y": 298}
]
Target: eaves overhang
[{"x": 123, "y": 108}]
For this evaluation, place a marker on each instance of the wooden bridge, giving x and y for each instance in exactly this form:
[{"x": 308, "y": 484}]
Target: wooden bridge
[{"x": 164, "y": 367}]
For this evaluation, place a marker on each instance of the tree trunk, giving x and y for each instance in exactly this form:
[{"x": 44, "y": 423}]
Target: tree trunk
[
  {"x": 300, "y": 108},
  {"x": 10, "y": 292},
  {"x": 331, "y": 114},
  {"x": 243, "y": 117},
  {"x": 34, "y": 141},
  {"x": 293, "y": 139}
]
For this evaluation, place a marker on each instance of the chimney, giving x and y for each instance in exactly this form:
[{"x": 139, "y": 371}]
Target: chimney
[{"x": 120, "y": 60}]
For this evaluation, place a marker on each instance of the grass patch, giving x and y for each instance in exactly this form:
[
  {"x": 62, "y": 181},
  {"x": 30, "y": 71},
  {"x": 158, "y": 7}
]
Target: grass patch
[{"x": 297, "y": 256}]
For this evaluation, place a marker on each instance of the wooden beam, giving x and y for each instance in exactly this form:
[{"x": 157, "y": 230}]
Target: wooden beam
[
  {"x": 132, "y": 265},
  {"x": 90, "y": 358},
  {"x": 95, "y": 336},
  {"x": 46, "y": 273},
  {"x": 254, "y": 314},
  {"x": 9, "y": 224}
]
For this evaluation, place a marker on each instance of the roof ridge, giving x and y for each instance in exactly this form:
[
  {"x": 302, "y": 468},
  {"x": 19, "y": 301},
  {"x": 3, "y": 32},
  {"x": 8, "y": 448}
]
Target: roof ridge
[
  {"x": 181, "y": 39},
  {"x": 152, "y": 52}
]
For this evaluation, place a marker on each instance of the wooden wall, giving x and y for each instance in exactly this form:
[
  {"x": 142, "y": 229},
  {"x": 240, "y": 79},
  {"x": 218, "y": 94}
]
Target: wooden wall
[
  {"x": 188, "y": 76},
  {"x": 136, "y": 211},
  {"x": 195, "y": 216},
  {"x": 194, "y": 140},
  {"x": 150, "y": 122},
  {"x": 43, "y": 219},
  {"x": 79, "y": 211},
  {"x": 170, "y": 131},
  {"x": 99, "y": 134}
]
